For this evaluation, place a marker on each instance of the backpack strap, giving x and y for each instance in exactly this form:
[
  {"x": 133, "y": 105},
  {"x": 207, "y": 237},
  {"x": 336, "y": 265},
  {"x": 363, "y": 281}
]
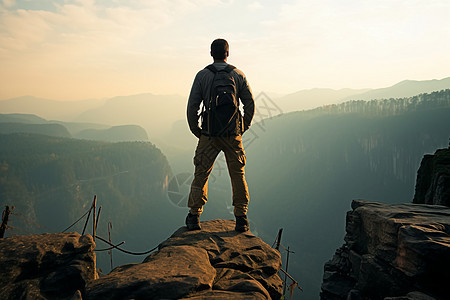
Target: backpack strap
[{"x": 229, "y": 68}]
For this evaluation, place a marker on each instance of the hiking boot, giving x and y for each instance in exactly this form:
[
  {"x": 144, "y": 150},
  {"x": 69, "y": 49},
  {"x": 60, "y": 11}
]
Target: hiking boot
[
  {"x": 193, "y": 222},
  {"x": 241, "y": 224}
]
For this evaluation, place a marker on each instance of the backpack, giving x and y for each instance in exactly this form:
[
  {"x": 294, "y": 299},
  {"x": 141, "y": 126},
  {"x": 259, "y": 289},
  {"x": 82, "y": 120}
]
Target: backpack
[{"x": 221, "y": 111}]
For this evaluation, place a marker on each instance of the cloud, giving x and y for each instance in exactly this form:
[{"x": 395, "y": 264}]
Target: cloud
[
  {"x": 84, "y": 24},
  {"x": 138, "y": 43},
  {"x": 352, "y": 28},
  {"x": 9, "y": 3},
  {"x": 255, "y": 6},
  {"x": 87, "y": 42}
]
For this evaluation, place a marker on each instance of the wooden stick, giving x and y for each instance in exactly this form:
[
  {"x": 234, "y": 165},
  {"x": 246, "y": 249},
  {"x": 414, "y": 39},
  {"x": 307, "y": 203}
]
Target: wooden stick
[
  {"x": 4, "y": 224},
  {"x": 98, "y": 217},
  {"x": 93, "y": 217},
  {"x": 280, "y": 232},
  {"x": 290, "y": 277},
  {"x": 87, "y": 219}
]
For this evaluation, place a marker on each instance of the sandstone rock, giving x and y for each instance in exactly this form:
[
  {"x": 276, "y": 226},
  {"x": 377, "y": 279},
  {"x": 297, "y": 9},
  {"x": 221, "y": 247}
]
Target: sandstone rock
[
  {"x": 170, "y": 273},
  {"x": 391, "y": 250},
  {"x": 47, "y": 266},
  {"x": 214, "y": 263},
  {"x": 433, "y": 179}
]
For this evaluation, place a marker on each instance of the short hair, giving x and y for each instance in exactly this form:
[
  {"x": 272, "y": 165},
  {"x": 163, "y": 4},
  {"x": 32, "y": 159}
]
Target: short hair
[{"x": 219, "y": 49}]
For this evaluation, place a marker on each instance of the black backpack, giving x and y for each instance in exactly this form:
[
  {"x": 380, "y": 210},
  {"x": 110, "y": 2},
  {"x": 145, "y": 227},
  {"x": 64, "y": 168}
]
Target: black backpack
[{"x": 221, "y": 111}]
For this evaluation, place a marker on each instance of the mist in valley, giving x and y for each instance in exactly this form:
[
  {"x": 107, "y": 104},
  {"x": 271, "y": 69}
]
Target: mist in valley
[{"x": 304, "y": 166}]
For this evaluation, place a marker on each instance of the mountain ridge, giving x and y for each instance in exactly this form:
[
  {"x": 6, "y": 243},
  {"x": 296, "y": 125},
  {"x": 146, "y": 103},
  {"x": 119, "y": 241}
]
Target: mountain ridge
[
  {"x": 104, "y": 110},
  {"x": 47, "y": 108},
  {"x": 30, "y": 123},
  {"x": 405, "y": 88}
]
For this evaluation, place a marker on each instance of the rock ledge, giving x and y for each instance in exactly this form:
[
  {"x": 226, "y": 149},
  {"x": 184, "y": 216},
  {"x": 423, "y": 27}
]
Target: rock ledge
[
  {"x": 397, "y": 251},
  {"x": 214, "y": 263},
  {"x": 46, "y": 266}
]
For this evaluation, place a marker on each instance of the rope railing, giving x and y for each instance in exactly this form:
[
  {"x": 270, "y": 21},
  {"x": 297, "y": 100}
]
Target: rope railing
[
  {"x": 95, "y": 218},
  {"x": 123, "y": 250}
]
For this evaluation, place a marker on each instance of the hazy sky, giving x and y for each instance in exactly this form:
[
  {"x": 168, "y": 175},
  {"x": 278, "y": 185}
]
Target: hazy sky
[{"x": 79, "y": 49}]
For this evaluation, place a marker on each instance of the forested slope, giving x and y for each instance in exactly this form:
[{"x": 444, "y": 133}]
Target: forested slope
[
  {"x": 304, "y": 168},
  {"x": 51, "y": 182}
]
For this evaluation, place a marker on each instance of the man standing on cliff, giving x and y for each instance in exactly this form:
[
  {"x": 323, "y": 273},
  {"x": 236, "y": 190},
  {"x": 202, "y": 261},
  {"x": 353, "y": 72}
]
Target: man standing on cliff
[{"x": 214, "y": 97}]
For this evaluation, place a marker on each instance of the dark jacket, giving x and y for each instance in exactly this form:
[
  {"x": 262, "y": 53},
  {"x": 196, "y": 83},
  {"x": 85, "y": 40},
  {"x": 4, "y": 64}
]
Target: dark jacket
[{"x": 201, "y": 91}]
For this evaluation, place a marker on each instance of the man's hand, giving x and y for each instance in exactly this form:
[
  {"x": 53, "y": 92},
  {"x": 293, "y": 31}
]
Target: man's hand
[{"x": 197, "y": 132}]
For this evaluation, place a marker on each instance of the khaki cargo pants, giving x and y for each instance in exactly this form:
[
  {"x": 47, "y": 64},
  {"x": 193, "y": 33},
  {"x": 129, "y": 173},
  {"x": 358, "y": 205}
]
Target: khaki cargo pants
[{"x": 206, "y": 153}]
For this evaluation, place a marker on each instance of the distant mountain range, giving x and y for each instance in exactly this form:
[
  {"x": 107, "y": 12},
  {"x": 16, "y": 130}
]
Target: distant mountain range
[
  {"x": 406, "y": 88},
  {"x": 155, "y": 113},
  {"x": 56, "y": 130},
  {"x": 158, "y": 113},
  {"x": 26, "y": 123},
  {"x": 308, "y": 99},
  {"x": 48, "y": 109},
  {"x": 115, "y": 134}
]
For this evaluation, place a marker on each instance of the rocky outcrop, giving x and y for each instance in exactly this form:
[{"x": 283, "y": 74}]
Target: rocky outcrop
[
  {"x": 214, "y": 263},
  {"x": 47, "y": 266},
  {"x": 399, "y": 251},
  {"x": 433, "y": 179}
]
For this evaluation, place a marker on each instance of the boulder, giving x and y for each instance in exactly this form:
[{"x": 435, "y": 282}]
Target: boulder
[
  {"x": 213, "y": 263},
  {"x": 433, "y": 179},
  {"x": 391, "y": 251},
  {"x": 47, "y": 266}
]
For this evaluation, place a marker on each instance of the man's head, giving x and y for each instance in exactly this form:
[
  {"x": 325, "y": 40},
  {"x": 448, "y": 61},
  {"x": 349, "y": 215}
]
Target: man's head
[{"x": 219, "y": 49}]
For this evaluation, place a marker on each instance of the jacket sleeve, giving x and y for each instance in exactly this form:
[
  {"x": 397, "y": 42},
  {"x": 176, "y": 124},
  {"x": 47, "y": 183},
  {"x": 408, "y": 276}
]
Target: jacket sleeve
[
  {"x": 246, "y": 97},
  {"x": 193, "y": 107}
]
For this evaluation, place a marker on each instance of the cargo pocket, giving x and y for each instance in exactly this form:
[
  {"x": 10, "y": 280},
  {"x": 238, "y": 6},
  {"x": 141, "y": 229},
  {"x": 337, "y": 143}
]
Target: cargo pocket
[
  {"x": 241, "y": 157},
  {"x": 198, "y": 159}
]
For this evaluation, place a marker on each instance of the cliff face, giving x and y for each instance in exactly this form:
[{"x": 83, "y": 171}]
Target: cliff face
[
  {"x": 214, "y": 263},
  {"x": 433, "y": 179},
  {"x": 399, "y": 250},
  {"x": 46, "y": 266}
]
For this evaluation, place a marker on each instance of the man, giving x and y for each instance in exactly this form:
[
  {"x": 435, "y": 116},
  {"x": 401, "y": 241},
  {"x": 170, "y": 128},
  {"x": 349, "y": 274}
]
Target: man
[{"x": 216, "y": 136}]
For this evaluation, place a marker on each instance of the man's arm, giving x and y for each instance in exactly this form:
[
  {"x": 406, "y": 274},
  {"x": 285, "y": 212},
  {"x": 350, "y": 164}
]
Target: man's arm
[
  {"x": 193, "y": 107},
  {"x": 246, "y": 97}
]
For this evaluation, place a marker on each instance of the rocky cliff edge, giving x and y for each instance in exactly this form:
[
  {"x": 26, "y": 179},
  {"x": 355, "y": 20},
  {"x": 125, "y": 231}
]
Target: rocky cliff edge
[
  {"x": 214, "y": 263},
  {"x": 399, "y": 251},
  {"x": 433, "y": 179},
  {"x": 46, "y": 266}
]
